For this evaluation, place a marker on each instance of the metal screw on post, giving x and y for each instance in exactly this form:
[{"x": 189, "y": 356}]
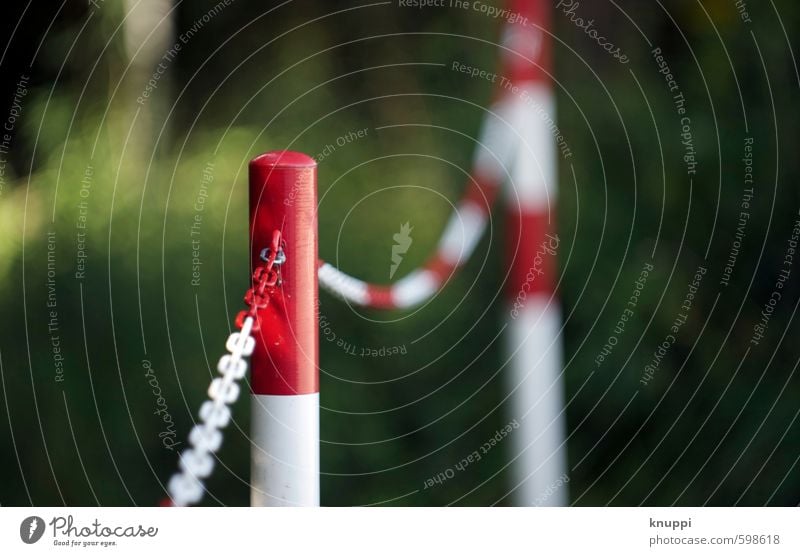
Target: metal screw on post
[{"x": 280, "y": 258}]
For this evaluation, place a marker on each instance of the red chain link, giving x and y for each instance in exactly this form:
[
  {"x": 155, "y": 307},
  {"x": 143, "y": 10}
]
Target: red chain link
[
  {"x": 257, "y": 297},
  {"x": 264, "y": 276}
]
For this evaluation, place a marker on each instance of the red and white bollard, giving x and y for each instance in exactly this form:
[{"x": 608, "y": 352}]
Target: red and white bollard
[
  {"x": 285, "y": 362},
  {"x": 534, "y": 340}
]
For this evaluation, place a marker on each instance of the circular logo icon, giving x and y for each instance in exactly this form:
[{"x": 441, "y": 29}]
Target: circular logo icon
[{"x": 31, "y": 529}]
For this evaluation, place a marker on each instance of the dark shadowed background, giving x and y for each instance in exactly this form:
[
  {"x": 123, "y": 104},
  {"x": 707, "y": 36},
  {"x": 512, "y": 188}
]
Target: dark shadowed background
[{"x": 109, "y": 158}]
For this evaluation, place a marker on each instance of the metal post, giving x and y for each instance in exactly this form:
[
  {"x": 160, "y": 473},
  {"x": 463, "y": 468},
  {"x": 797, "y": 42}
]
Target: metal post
[{"x": 285, "y": 362}]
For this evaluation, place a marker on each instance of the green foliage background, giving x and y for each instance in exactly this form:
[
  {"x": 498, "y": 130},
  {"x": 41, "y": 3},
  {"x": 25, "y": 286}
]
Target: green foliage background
[{"x": 717, "y": 426}]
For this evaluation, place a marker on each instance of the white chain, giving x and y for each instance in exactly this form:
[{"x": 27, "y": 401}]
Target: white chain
[{"x": 196, "y": 463}]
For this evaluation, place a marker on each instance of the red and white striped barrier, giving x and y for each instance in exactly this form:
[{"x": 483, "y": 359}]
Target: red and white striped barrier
[
  {"x": 517, "y": 146},
  {"x": 285, "y": 361},
  {"x": 464, "y": 228},
  {"x": 497, "y": 144},
  {"x": 534, "y": 324}
]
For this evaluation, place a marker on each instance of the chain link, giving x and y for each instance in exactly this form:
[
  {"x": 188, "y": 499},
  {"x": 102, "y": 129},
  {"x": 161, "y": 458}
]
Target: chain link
[{"x": 196, "y": 463}]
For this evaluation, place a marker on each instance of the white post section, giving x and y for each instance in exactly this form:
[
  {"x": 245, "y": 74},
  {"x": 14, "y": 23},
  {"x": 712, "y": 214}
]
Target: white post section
[
  {"x": 285, "y": 434},
  {"x": 539, "y": 472}
]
